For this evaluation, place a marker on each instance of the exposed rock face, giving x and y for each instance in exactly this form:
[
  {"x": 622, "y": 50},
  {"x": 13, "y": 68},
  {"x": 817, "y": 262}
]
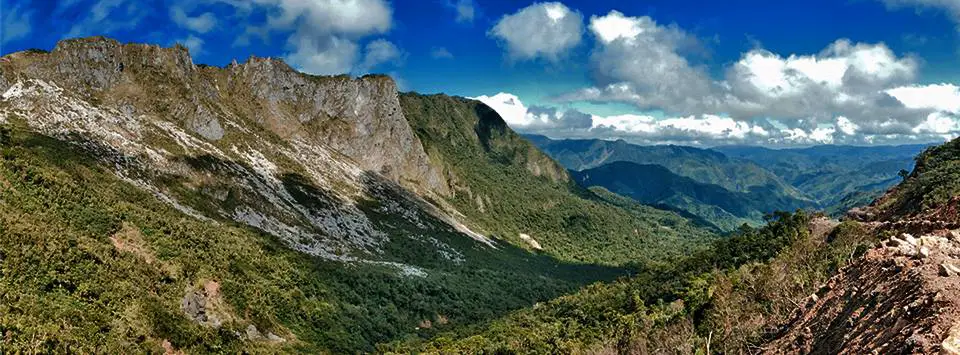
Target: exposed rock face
[
  {"x": 294, "y": 155},
  {"x": 360, "y": 118}
]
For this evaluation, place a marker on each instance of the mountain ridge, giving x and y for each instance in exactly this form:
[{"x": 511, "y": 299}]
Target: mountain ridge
[{"x": 336, "y": 212}]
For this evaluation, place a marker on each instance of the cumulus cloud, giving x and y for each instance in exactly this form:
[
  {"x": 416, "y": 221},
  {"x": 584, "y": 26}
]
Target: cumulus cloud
[
  {"x": 939, "y": 97},
  {"x": 324, "y": 34},
  {"x": 202, "y": 23},
  {"x": 638, "y": 61},
  {"x": 16, "y": 24},
  {"x": 536, "y": 119},
  {"x": 847, "y": 93},
  {"x": 440, "y": 53},
  {"x": 378, "y": 52},
  {"x": 709, "y": 129},
  {"x": 542, "y": 30}
]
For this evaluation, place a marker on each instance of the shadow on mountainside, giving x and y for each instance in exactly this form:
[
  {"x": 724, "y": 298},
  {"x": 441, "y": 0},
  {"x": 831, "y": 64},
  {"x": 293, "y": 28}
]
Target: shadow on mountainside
[{"x": 324, "y": 305}]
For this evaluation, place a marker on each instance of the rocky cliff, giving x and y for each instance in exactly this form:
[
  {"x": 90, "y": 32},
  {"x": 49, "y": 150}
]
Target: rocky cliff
[
  {"x": 360, "y": 118},
  {"x": 292, "y": 154}
]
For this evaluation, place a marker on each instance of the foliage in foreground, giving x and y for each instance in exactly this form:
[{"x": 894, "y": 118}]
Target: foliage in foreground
[
  {"x": 92, "y": 263},
  {"x": 727, "y": 298}
]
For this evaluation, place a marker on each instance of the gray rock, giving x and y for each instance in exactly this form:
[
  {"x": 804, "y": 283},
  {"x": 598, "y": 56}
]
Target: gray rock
[
  {"x": 253, "y": 333},
  {"x": 194, "y": 306},
  {"x": 274, "y": 338}
]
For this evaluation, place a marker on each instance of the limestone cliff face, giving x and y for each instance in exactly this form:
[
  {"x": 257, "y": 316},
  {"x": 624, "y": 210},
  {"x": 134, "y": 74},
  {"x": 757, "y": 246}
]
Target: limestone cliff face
[
  {"x": 315, "y": 161},
  {"x": 359, "y": 118}
]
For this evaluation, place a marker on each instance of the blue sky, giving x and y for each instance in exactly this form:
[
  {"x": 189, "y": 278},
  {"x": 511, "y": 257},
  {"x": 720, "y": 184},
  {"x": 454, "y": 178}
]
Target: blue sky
[{"x": 774, "y": 73}]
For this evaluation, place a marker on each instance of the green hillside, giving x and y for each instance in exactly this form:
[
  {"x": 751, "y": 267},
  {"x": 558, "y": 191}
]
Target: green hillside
[
  {"x": 834, "y": 175},
  {"x": 656, "y": 185},
  {"x": 702, "y": 165},
  {"x": 726, "y": 299},
  {"x": 505, "y": 186}
]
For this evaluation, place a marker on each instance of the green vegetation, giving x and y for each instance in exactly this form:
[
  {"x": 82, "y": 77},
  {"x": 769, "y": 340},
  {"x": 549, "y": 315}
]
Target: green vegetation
[
  {"x": 838, "y": 177},
  {"x": 728, "y": 297},
  {"x": 91, "y": 263},
  {"x": 505, "y": 187},
  {"x": 655, "y": 185},
  {"x": 702, "y": 183},
  {"x": 934, "y": 183}
]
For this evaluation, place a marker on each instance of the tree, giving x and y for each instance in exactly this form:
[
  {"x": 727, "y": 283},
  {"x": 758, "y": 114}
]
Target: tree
[{"x": 903, "y": 173}]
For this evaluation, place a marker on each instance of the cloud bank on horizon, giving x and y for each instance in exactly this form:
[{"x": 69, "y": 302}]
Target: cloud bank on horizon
[{"x": 844, "y": 92}]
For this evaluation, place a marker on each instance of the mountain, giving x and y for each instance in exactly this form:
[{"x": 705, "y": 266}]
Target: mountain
[
  {"x": 884, "y": 280},
  {"x": 725, "y": 192},
  {"x": 656, "y": 185},
  {"x": 702, "y": 165},
  {"x": 830, "y": 174},
  {"x": 149, "y": 204}
]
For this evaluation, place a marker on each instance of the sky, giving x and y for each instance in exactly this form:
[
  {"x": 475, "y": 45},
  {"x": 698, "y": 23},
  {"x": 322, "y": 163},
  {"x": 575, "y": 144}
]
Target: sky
[{"x": 702, "y": 73}]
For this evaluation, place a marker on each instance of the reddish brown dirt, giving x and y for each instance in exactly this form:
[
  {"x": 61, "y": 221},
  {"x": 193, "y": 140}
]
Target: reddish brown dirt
[{"x": 892, "y": 301}]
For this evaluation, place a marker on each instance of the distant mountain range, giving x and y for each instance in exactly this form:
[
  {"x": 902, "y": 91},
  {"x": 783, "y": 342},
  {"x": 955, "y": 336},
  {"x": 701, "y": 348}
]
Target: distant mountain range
[
  {"x": 730, "y": 185},
  {"x": 831, "y": 174}
]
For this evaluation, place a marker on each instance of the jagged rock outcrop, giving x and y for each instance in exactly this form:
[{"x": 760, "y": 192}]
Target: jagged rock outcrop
[
  {"x": 359, "y": 118},
  {"x": 291, "y": 154}
]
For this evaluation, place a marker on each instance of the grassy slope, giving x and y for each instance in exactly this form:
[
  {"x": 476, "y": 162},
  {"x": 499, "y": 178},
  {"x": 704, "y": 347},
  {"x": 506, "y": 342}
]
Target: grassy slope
[
  {"x": 490, "y": 163},
  {"x": 728, "y": 296},
  {"x": 933, "y": 184},
  {"x": 65, "y": 287}
]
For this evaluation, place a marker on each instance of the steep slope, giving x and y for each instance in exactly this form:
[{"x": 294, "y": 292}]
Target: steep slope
[
  {"x": 656, "y": 185},
  {"x": 902, "y": 296},
  {"x": 831, "y": 174},
  {"x": 508, "y": 188},
  {"x": 92, "y": 262},
  {"x": 169, "y": 205}
]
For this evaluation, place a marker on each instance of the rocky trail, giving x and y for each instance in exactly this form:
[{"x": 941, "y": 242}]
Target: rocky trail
[{"x": 901, "y": 297}]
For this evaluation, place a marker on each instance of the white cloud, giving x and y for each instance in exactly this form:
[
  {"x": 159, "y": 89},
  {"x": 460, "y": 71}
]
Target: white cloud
[
  {"x": 847, "y": 127},
  {"x": 952, "y": 7},
  {"x": 638, "y": 61},
  {"x": 465, "y": 9},
  {"x": 535, "y": 118},
  {"x": 15, "y": 24},
  {"x": 711, "y": 129},
  {"x": 938, "y": 123},
  {"x": 509, "y": 107},
  {"x": 440, "y": 53},
  {"x": 323, "y": 33},
  {"x": 322, "y": 54},
  {"x": 940, "y": 97},
  {"x": 541, "y": 30},
  {"x": 378, "y": 52},
  {"x": 844, "y": 79},
  {"x": 202, "y": 23},
  {"x": 846, "y": 86}
]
